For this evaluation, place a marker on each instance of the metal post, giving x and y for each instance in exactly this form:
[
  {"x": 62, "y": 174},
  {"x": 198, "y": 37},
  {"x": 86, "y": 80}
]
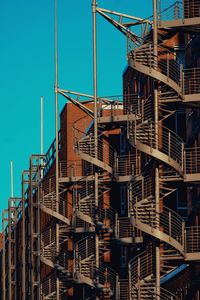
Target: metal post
[
  {"x": 30, "y": 234},
  {"x": 3, "y": 260},
  {"x": 155, "y": 52},
  {"x": 157, "y": 193},
  {"x": 138, "y": 276},
  {"x": 11, "y": 180},
  {"x": 41, "y": 125},
  {"x": 23, "y": 240},
  {"x": 9, "y": 270},
  {"x": 56, "y": 128},
  {"x": 15, "y": 251},
  {"x": 156, "y": 119},
  {"x": 94, "y": 6},
  {"x": 38, "y": 242}
]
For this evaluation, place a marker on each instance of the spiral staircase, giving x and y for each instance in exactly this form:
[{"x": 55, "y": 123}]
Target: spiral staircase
[
  {"x": 93, "y": 216},
  {"x": 176, "y": 86},
  {"x": 94, "y": 222},
  {"x": 54, "y": 238}
]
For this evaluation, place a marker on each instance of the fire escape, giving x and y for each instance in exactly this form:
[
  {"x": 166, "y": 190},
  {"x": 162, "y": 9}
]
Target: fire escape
[
  {"x": 173, "y": 160},
  {"x": 68, "y": 224}
]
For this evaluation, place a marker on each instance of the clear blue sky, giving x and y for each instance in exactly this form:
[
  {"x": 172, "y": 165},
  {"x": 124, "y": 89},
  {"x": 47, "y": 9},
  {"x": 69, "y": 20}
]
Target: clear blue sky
[{"x": 27, "y": 70}]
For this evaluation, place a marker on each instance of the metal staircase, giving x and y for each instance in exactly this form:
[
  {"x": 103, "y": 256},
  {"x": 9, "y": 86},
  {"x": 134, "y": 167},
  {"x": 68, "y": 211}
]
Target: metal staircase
[
  {"x": 142, "y": 278},
  {"x": 166, "y": 69},
  {"x": 179, "y": 14},
  {"x": 147, "y": 211},
  {"x": 166, "y": 224},
  {"x": 157, "y": 141},
  {"x": 100, "y": 152},
  {"x": 90, "y": 271},
  {"x": 93, "y": 214}
]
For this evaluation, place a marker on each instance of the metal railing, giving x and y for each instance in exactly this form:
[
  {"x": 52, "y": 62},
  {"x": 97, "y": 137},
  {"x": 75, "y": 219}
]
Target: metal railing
[
  {"x": 167, "y": 221},
  {"x": 110, "y": 106},
  {"x": 192, "y": 160},
  {"x": 163, "y": 138},
  {"x": 141, "y": 267},
  {"x": 84, "y": 201},
  {"x": 140, "y": 189},
  {"x": 191, "y": 80},
  {"x": 142, "y": 205},
  {"x": 107, "y": 281},
  {"x": 170, "y": 10},
  {"x": 174, "y": 10},
  {"x": 141, "y": 107},
  {"x": 127, "y": 165},
  {"x": 129, "y": 101},
  {"x": 107, "y": 216},
  {"x": 84, "y": 257},
  {"x": 187, "y": 79},
  {"x": 84, "y": 142},
  {"x": 83, "y": 197},
  {"x": 47, "y": 196},
  {"x": 70, "y": 168},
  {"x": 163, "y": 295},
  {"x": 51, "y": 154},
  {"x": 48, "y": 287},
  {"x": 124, "y": 228},
  {"x": 192, "y": 239},
  {"x": 124, "y": 289}
]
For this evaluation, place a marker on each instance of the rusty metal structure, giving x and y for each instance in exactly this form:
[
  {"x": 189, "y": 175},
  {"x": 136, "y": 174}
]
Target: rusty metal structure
[{"x": 115, "y": 214}]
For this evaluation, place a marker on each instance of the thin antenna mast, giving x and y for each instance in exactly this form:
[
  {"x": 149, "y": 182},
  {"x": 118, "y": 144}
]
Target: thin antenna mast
[
  {"x": 41, "y": 125},
  {"x": 94, "y": 10},
  {"x": 56, "y": 129},
  {"x": 11, "y": 181}
]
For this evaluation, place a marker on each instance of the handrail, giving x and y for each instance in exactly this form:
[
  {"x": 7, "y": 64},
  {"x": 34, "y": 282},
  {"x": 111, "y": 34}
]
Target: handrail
[
  {"x": 192, "y": 160},
  {"x": 166, "y": 63},
  {"x": 114, "y": 106},
  {"x": 192, "y": 239},
  {"x": 167, "y": 141},
  {"x": 167, "y": 221},
  {"x": 127, "y": 165},
  {"x": 84, "y": 255},
  {"x": 51, "y": 153},
  {"x": 179, "y": 10},
  {"x": 141, "y": 266},
  {"x": 70, "y": 168},
  {"x": 164, "y": 294},
  {"x": 170, "y": 12},
  {"x": 84, "y": 141},
  {"x": 108, "y": 278},
  {"x": 125, "y": 228}
]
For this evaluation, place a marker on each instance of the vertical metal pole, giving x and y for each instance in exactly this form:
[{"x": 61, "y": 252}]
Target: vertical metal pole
[
  {"x": 3, "y": 260},
  {"x": 94, "y": 6},
  {"x": 42, "y": 135},
  {"x": 23, "y": 241},
  {"x": 156, "y": 119},
  {"x": 9, "y": 252},
  {"x": 11, "y": 181},
  {"x": 157, "y": 192},
  {"x": 30, "y": 233},
  {"x": 15, "y": 249},
  {"x": 41, "y": 125},
  {"x": 155, "y": 52},
  {"x": 56, "y": 128},
  {"x": 38, "y": 242},
  {"x": 11, "y": 184}
]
